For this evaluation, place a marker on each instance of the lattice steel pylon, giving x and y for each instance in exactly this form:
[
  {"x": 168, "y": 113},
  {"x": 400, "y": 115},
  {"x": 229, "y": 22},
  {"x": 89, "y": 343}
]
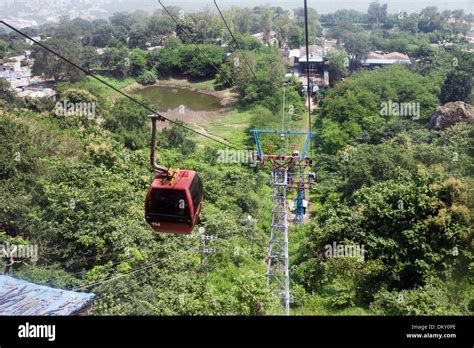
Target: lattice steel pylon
[
  {"x": 278, "y": 249},
  {"x": 278, "y": 277}
]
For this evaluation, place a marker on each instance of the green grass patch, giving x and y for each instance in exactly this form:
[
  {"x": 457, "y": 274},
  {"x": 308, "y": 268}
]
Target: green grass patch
[
  {"x": 115, "y": 82},
  {"x": 317, "y": 305},
  {"x": 198, "y": 84},
  {"x": 98, "y": 88},
  {"x": 232, "y": 126}
]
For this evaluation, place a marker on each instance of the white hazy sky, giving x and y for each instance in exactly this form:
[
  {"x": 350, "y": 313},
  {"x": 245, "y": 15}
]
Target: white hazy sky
[
  {"x": 20, "y": 7},
  {"x": 323, "y": 6}
]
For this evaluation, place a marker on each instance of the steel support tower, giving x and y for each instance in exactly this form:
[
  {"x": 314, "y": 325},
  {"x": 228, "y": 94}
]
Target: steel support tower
[
  {"x": 278, "y": 276},
  {"x": 277, "y": 271}
]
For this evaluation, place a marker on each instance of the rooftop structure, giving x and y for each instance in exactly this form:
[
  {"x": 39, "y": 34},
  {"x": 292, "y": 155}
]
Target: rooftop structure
[
  {"x": 376, "y": 58},
  {"x": 19, "y": 297}
]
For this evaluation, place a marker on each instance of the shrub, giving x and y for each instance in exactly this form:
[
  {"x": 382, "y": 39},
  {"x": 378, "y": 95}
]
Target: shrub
[
  {"x": 148, "y": 77},
  {"x": 434, "y": 298}
]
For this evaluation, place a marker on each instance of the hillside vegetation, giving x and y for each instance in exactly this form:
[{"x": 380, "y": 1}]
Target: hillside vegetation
[{"x": 75, "y": 184}]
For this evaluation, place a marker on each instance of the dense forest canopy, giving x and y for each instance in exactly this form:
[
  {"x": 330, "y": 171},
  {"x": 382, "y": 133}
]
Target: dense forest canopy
[{"x": 75, "y": 185}]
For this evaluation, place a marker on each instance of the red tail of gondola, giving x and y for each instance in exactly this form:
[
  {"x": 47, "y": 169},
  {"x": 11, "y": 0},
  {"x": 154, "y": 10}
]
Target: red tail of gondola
[
  {"x": 173, "y": 204},
  {"x": 174, "y": 199}
]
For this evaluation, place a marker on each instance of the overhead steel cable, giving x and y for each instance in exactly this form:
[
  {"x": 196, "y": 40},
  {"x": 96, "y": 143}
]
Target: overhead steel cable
[
  {"x": 188, "y": 35},
  {"x": 161, "y": 117},
  {"x": 147, "y": 265},
  {"x": 307, "y": 70},
  {"x": 238, "y": 47},
  {"x": 65, "y": 276},
  {"x": 147, "y": 280},
  {"x": 147, "y": 273}
]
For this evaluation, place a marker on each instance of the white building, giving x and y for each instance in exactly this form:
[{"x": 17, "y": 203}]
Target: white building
[
  {"x": 36, "y": 38},
  {"x": 380, "y": 59},
  {"x": 272, "y": 38}
]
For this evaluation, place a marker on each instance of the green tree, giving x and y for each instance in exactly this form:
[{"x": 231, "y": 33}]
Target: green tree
[
  {"x": 176, "y": 137},
  {"x": 16, "y": 162},
  {"x": 409, "y": 23},
  {"x": 86, "y": 228},
  {"x": 205, "y": 62},
  {"x": 137, "y": 37},
  {"x": 202, "y": 28},
  {"x": 169, "y": 59},
  {"x": 357, "y": 45},
  {"x": 246, "y": 43},
  {"x": 457, "y": 86},
  {"x": 121, "y": 19},
  {"x": 397, "y": 221},
  {"x": 148, "y": 77},
  {"x": 430, "y": 19},
  {"x": 224, "y": 76},
  {"x": 159, "y": 26},
  {"x": 129, "y": 123},
  {"x": 295, "y": 37},
  {"x": 138, "y": 61},
  {"x": 102, "y": 33},
  {"x": 282, "y": 27},
  {"x": 186, "y": 31},
  {"x": 90, "y": 58},
  {"x": 267, "y": 23},
  {"x": 50, "y": 66},
  {"x": 353, "y": 109},
  {"x": 338, "y": 65},
  {"x": 314, "y": 26},
  {"x": 77, "y": 107},
  {"x": 3, "y": 49},
  {"x": 117, "y": 60},
  {"x": 6, "y": 93},
  {"x": 377, "y": 13}
]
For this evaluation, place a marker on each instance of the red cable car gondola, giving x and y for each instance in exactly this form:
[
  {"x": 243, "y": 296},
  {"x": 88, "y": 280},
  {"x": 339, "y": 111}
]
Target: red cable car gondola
[{"x": 174, "y": 199}]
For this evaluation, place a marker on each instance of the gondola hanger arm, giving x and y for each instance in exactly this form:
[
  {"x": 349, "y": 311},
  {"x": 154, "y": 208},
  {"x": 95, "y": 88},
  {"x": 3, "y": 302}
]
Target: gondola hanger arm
[{"x": 156, "y": 167}]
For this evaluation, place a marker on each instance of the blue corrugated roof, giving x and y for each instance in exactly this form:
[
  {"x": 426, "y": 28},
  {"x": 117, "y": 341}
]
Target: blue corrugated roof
[
  {"x": 9, "y": 75},
  {"x": 19, "y": 297}
]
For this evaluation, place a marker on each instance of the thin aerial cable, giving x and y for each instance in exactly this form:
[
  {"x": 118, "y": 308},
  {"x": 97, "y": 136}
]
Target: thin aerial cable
[
  {"x": 59, "y": 277},
  {"x": 161, "y": 117},
  {"x": 146, "y": 266},
  {"x": 85, "y": 270},
  {"x": 238, "y": 46},
  {"x": 283, "y": 110},
  {"x": 188, "y": 35},
  {"x": 146, "y": 279},
  {"x": 307, "y": 70},
  {"x": 138, "y": 285}
]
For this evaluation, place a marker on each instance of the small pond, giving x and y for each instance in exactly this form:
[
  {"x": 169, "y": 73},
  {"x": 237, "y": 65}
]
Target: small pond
[{"x": 171, "y": 98}]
